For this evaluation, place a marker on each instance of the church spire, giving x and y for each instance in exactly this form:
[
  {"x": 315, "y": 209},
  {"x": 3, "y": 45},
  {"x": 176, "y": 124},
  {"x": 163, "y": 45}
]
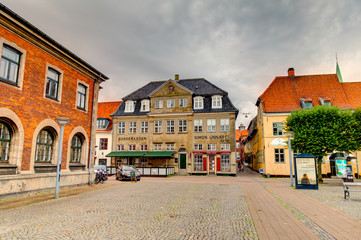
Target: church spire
[{"x": 338, "y": 71}]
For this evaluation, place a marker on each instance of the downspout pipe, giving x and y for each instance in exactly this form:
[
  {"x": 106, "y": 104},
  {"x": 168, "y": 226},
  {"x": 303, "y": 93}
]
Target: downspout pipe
[{"x": 91, "y": 133}]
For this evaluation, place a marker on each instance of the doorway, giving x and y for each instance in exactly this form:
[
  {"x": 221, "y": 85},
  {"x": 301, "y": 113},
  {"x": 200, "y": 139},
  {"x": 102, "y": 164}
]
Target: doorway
[
  {"x": 211, "y": 162},
  {"x": 183, "y": 161}
]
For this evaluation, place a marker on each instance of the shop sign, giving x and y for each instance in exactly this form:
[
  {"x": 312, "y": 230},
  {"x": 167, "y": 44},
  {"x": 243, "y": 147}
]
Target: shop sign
[
  {"x": 306, "y": 171},
  {"x": 132, "y": 138},
  {"x": 222, "y": 138}
]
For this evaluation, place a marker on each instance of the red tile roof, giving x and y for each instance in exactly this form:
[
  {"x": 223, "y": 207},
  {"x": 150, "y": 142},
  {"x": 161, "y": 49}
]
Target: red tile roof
[
  {"x": 284, "y": 93},
  {"x": 105, "y": 109}
]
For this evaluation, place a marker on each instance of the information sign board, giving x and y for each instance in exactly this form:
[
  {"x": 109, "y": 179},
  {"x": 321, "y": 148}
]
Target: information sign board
[{"x": 306, "y": 171}]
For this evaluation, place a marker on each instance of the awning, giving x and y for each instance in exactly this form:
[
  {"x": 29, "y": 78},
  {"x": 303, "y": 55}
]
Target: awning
[
  {"x": 126, "y": 154},
  {"x": 160, "y": 154}
]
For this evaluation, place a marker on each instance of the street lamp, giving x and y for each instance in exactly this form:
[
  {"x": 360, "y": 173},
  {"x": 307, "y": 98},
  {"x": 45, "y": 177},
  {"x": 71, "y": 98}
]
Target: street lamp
[
  {"x": 62, "y": 122},
  {"x": 289, "y": 134}
]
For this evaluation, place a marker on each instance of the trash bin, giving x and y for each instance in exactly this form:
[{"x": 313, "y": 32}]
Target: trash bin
[{"x": 132, "y": 176}]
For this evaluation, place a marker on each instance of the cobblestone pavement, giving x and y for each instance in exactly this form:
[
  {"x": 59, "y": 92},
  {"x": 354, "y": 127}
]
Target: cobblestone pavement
[{"x": 150, "y": 209}]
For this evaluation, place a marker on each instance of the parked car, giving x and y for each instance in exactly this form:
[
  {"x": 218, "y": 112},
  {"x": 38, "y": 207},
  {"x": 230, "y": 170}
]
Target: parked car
[{"x": 124, "y": 173}]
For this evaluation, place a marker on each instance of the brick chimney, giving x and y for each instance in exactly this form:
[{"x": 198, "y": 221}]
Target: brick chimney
[
  {"x": 176, "y": 77},
  {"x": 291, "y": 72}
]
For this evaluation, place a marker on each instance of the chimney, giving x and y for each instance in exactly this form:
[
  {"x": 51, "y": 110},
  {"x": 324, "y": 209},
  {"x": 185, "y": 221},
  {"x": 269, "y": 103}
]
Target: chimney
[
  {"x": 291, "y": 72},
  {"x": 176, "y": 77}
]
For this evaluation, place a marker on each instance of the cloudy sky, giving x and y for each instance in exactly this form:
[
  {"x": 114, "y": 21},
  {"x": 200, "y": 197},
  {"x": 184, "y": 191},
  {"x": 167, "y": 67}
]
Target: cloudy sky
[{"x": 238, "y": 45}]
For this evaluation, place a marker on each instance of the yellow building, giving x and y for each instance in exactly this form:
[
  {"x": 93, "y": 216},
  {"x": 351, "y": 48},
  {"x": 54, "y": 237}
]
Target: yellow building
[
  {"x": 184, "y": 126},
  {"x": 266, "y": 144}
]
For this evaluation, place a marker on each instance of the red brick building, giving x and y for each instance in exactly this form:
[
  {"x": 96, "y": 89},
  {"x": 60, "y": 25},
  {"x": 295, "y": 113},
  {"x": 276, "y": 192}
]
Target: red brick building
[{"x": 41, "y": 80}]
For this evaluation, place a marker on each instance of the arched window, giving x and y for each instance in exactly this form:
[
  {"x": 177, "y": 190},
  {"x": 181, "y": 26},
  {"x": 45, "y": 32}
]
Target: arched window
[
  {"x": 5, "y": 139},
  {"x": 44, "y": 146},
  {"x": 75, "y": 149}
]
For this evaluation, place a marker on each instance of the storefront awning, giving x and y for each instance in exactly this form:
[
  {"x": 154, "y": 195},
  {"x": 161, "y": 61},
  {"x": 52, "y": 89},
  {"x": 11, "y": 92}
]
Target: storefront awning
[
  {"x": 126, "y": 154},
  {"x": 159, "y": 154}
]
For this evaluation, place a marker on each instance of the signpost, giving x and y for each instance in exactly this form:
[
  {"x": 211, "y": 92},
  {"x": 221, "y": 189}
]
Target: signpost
[{"x": 306, "y": 171}]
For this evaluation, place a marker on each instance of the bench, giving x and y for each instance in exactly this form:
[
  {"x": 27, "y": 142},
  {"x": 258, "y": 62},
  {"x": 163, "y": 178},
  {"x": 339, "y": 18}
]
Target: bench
[{"x": 346, "y": 188}]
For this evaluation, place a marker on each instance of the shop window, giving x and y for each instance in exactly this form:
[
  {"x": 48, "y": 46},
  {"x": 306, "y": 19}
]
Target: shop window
[
  {"x": 198, "y": 162},
  {"x": 277, "y": 129},
  {"x": 225, "y": 163},
  {"x": 198, "y": 125},
  {"x": 76, "y": 149},
  {"x": 182, "y": 124},
  {"x": 144, "y": 127},
  {"x": 5, "y": 140},
  {"x": 158, "y": 126},
  {"x": 103, "y": 144},
  {"x": 44, "y": 146},
  {"x": 279, "y": 155},
  {"x": 121, "y": 127}
]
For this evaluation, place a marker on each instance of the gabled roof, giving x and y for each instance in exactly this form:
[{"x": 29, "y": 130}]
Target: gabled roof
[
  {"x": 172, "y": 82},
  {"x": 105, "y": 109},
  {"x": 284, "y": 93}
]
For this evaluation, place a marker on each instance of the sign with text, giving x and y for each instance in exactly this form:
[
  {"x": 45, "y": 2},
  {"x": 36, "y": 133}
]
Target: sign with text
[{"x": 306, "y": 171}]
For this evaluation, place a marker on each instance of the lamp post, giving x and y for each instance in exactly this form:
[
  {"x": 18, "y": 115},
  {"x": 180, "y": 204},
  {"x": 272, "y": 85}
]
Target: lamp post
[
  {"x": 289, "y": 134},
  {"x": 62, "y": 122}
]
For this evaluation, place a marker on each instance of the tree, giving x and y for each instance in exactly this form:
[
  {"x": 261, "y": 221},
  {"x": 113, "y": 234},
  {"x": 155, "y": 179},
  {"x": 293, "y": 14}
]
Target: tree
[{"x": 322, "y": 130}]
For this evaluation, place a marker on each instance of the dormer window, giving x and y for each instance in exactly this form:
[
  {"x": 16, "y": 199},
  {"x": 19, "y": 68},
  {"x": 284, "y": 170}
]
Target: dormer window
[
  {"x": 129, "y": 106},
  {"x": 144, "y": 107},
  {"x": 102, "y": 123},
  {"x": 198, "y": 102},
  {"x": 306, "y": 103},
  {"x": 217, "y": 101},
  {"x": 325, "y": 101}
]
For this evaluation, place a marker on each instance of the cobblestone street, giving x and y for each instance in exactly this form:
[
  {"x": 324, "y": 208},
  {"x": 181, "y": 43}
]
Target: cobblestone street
[{"x": 150, "y": 209}]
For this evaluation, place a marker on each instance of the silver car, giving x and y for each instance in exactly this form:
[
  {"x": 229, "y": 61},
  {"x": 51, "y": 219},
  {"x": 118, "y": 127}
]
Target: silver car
[{"x": 125, "y": 172}]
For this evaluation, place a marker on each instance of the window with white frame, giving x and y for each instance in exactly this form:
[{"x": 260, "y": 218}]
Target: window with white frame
[
  {"x": 120, "y": 147},
  {"x": 198, "y": 162},
  {"x": 144, "y": 105},
  {"x": 132, "y": 147},
  {"x": 198, "y": 147},
  {"x": 211, "y": 125},
  {"x": 157, "y": 147},
  {"x": 170, "y": 126},
  {"x": 143, "y": 147},
  {"x": 225, "y": 163},
  {"x": 170, "y": 103},
  {"x": 279, "y": 155},
  {"x": 182, "y": 125},
  {"x": 198, "y": 125},
  {"x": 158, "y": 126},
  {"x": 129, "y": 106},
  {"x": 198, "y": 102},
  {"x": 144, "y": 127},
  {"x": 158, "y": 104},
  {"x": 217, "y": 101},
  {"x": 182, "y": 102},
  {"x": 212, "y": 147},
  {"x": 121, "y": 127},
  {"x": 170, "y": 146},
  {"x": 277, "y": 128},
  {"x": 225, "y": 146},
  {"x": 52, "y": 84},
  {"x": 132, "y": 127},
  {"x": 224, "y": 124}
]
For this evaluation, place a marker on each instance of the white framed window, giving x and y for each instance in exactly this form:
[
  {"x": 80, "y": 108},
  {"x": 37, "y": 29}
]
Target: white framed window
[
  {"x": 144, "y": 127},
  {"x": 170, "y": 146},
  {"x": 225, "y": 163},
  {"x": 224, "y": 124},
  {"x": 132, "y": 147},
  {"x": 120, "y": 147},
  {"x": 198, "y": 162},
  {"x": 198, "y": 147},
  {"x": 182, "y": 102},
  {"x": 144, "y": 147},
  {"x": 52, "y": 85},
  {"x": 198, "y": 125},
  {"x": 212, "y": 147},
  {"x": 121, "y": 127},
  {"x": 277, "y": 128},
  {"x": 211, "y": 125},
  {"x": 144, "y": 105},
  {"x": 158, "y": 104},
  {"x": 198, "y": 102},
  {"x": 170, "y": 103},
  {"x": 225, "y": 146},
  {"x": 216, "y": 101},
  {"x": 129, "y": 106},
  {"x": 157, "y": 147},
  {"x": 158, "y": 126},
  {"x": 132, "y": 127},
  {"x": 170, "y": 126},
  {"x": 182, "y": 125}
]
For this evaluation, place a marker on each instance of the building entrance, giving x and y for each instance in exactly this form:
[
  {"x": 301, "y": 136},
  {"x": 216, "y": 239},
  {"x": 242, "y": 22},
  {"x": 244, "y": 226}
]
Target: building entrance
[
  {"x": 183, "y": 161},
  {"x": 211, "y": 161}
]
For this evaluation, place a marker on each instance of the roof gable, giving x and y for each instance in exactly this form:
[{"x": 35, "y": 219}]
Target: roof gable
[{"x": 170, "y": 88}]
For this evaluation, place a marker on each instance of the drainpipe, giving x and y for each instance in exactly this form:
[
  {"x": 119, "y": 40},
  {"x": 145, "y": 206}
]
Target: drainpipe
[{"x": 91, "y": 133}]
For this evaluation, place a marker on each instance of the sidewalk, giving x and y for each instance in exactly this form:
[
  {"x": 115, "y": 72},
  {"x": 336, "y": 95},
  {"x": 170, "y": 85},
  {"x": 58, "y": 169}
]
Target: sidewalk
[{"x": 282, "y": 212}]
